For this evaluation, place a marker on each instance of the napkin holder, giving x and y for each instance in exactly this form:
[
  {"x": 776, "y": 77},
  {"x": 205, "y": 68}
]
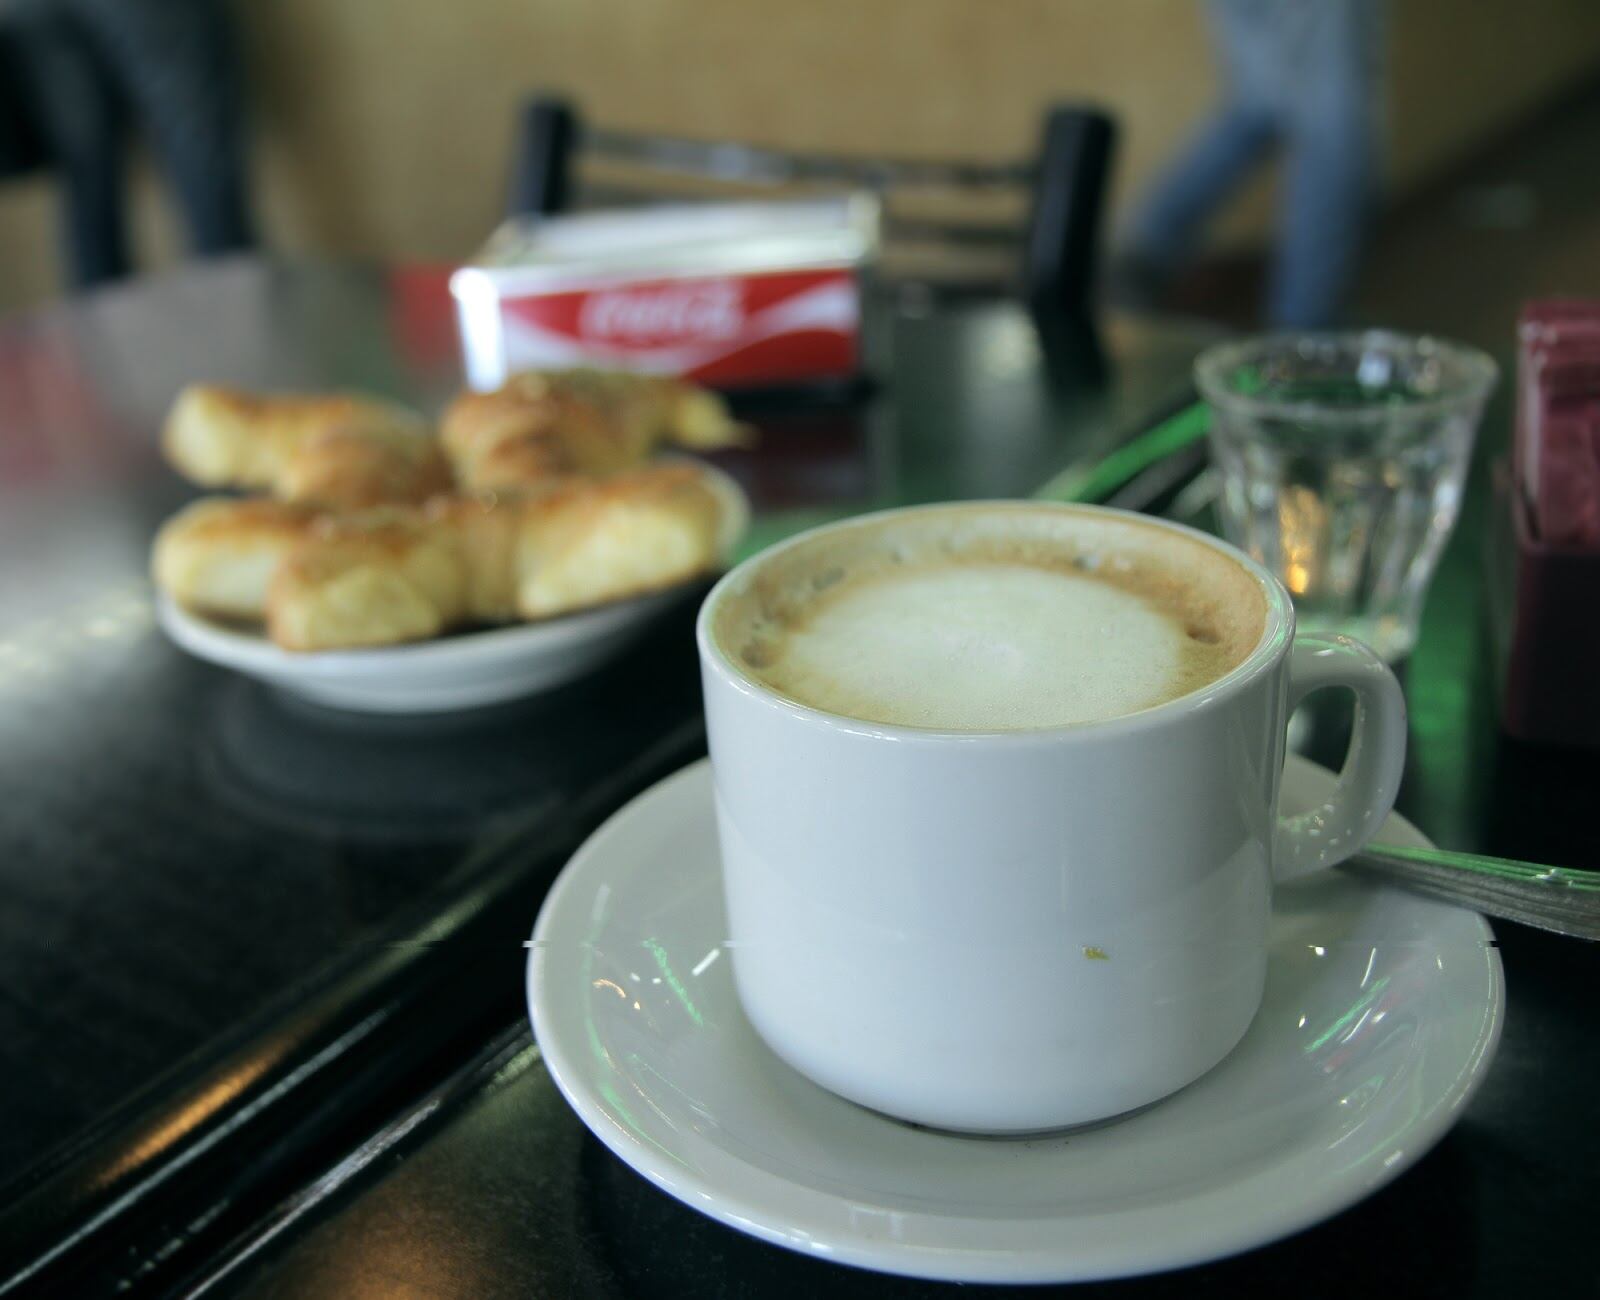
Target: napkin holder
[{"x": 731, "y": 295}]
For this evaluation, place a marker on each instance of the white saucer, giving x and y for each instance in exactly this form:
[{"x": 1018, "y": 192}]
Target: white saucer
[
  {"x": 1382, "y": 1013},
  {"x": 453, "y": 672}
]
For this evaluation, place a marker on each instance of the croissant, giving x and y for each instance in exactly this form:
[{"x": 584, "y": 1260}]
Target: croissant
[
  {"x": 405, "y": 573},
  {"x": 340, "y": 450},
  {"x": 377, "y": 578},
  {"x": 219, "y": 554},
  {"x": 586, "y": 422},
  {"x": 584, "y": 544}
]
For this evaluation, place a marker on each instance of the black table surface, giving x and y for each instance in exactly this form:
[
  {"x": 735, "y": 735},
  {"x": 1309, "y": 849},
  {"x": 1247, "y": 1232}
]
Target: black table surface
[{"x": 240, "y": 935}]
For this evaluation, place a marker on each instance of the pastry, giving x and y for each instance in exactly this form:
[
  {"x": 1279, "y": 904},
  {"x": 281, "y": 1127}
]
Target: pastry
[
  {"x": 339, "y": 450},
  {"x": 545, "y": 424},
  {"x": 404, "y": 573},
  {"x": 584, "y": 544},
  {"x": 217, "y": 555}
]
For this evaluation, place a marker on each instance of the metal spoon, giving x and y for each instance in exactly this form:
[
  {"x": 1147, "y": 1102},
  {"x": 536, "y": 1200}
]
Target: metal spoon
[{"x": 1558, "y": 899}]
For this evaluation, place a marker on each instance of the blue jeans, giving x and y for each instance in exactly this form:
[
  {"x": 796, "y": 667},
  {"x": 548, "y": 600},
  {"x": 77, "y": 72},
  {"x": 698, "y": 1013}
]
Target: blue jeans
[{"x": 1300, "y": 78}]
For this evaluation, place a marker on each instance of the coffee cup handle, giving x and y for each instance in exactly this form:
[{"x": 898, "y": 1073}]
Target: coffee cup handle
[{"x": 1329, "y": 833}]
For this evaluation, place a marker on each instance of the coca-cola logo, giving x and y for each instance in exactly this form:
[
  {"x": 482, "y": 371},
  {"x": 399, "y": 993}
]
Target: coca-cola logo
[{"x": 705, "y": 309}]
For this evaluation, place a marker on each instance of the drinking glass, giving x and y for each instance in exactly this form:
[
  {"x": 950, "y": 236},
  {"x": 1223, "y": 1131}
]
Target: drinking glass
[{"x": 1343, "y": 457}]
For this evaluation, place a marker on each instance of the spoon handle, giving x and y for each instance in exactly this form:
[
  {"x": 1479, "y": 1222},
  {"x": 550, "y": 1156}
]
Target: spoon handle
[{"x": 1559, "y": 899}]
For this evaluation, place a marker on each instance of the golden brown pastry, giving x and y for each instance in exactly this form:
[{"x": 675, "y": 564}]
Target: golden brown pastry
[
  {"x": 405, "y": 573},
  {"x": 584, "y": 544},
  {"x": 376, "y": 578},
  {"x": 586, "y": 422},
  {"x": 338, "y": 450},
  {"x": 486, "y": 527},
  {"x": 218, "y": 554},
  {"x": 353, "y": 468},
  {"x": 517, "y": 463}
]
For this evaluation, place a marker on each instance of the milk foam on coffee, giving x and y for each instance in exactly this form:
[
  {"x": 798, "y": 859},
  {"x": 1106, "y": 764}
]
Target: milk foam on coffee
[{"x": 993, "y": 618}]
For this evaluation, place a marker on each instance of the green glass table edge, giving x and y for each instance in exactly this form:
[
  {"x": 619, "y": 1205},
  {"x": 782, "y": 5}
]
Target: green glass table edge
[{"x": 1086, "y": 484}]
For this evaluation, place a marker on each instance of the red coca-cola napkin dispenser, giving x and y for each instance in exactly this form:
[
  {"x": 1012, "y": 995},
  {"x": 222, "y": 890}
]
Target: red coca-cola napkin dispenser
[
  {"x": 1545, "y": 543},
  {"x": 730, "y": 294}
]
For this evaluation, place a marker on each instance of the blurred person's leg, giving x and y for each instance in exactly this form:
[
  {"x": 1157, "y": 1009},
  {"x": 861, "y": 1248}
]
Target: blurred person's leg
[
  {"x": 1212, "y": 165},
  {"x": 77, "y": 115},
  {"x": 1330, "y": 164},
  {"x": 178, "y": 63},
  {"x": 1324, "y": 201}
]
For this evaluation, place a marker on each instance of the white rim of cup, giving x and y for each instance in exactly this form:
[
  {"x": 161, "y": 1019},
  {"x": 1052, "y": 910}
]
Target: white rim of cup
[
  {"x": 1214, "y": 366},
  {"x": 1276, "y": 635}
]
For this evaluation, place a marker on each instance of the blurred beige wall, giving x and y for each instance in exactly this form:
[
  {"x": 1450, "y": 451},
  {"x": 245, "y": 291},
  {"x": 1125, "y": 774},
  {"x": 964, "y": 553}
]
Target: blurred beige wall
[{"x": 383, "y": 126}]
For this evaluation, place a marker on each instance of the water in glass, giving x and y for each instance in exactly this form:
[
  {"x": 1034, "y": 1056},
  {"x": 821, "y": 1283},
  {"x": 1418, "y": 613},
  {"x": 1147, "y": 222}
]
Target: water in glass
[{"x": 1343, "y": 460}]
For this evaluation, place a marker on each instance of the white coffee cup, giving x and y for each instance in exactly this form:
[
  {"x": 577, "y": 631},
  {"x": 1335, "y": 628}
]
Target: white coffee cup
[{"x": 1022, "y": 930}]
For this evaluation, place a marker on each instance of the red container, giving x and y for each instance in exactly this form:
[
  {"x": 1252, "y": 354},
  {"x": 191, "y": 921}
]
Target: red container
[
  {"x": 1545, "y": 609},
  {"x": 1544, "y": 548},
  {"x": 731, "y": 295},
  {"x": 1557, "y": 440}
]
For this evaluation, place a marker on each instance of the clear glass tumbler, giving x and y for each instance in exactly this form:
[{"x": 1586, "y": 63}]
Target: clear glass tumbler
[{"x": 1343, "y": 458}]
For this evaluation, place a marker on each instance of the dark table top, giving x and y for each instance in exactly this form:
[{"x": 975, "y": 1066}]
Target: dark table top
[{"x": 260, "y": 1023}]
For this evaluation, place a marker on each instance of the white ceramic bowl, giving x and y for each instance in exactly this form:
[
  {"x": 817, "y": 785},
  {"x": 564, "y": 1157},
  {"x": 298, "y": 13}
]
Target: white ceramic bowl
[{"x": 464, "y": 671}]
